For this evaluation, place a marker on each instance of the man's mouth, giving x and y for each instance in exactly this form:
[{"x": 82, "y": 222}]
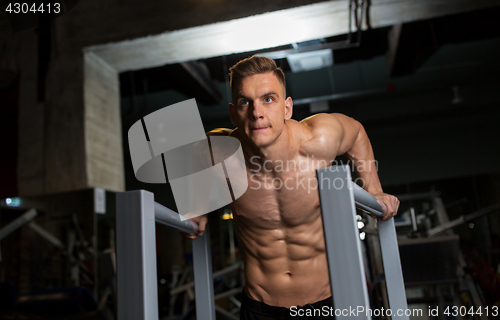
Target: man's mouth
[{"x": 259, "y": 128}]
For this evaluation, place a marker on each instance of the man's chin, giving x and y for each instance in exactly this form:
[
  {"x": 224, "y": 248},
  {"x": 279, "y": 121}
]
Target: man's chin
[{"x": 260, "y": 143}]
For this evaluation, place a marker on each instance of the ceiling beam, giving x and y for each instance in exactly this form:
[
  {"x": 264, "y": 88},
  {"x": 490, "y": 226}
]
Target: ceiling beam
[{"x": 267, "y": 30}]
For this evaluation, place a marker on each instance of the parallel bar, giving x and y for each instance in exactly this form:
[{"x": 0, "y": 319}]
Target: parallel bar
[
  {"x": 204, "y": 288},
  {"x": 172, "y": 219},
  {"x": 392, "y": 269},
  {"x": 390, "y": 252},
  {"x": 343, "y": 247},
  {"x": 202, "y": 260},
  {"x": 338, "y": 195},
  {"x": 136, "y": 256},
  {"x": 365, "y": 201},
  {"x": 137, "y": 213}
]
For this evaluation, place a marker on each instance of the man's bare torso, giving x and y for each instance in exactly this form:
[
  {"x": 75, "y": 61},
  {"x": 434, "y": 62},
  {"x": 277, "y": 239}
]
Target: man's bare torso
[
  {"x": 278, "y": 220},
  {"x": 279, "y": 227}
]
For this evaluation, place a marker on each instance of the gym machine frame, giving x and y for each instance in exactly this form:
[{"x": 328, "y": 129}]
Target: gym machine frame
[{"x": 137, "y": 213}]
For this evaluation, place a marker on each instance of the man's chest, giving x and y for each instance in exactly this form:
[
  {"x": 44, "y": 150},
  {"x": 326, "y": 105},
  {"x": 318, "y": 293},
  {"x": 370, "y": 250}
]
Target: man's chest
[{"x": 287, "y": 194}]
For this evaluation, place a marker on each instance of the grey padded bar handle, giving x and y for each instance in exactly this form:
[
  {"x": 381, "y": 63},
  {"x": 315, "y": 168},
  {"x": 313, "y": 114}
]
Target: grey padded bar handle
[
  {"x": 365, "y": 201},
  {"x": 172, "y": 219}
]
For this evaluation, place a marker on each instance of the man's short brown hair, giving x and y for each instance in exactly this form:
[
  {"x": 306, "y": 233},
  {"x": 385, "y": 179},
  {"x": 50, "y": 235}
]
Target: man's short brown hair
[{"x": 250, "y": 66}]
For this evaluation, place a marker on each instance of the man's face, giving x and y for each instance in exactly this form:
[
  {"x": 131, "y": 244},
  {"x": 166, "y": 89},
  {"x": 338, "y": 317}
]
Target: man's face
[{"x": 260, "y": 109}]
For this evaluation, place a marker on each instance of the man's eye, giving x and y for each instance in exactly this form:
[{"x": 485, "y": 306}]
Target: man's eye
[
  {"x": 269, "y": 99},
  {"x": 244, "y": 102}
]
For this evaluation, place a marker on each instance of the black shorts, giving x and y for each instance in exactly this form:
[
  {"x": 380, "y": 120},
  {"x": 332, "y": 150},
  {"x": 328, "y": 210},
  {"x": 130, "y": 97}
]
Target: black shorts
[{"x": 255, "y": 310}]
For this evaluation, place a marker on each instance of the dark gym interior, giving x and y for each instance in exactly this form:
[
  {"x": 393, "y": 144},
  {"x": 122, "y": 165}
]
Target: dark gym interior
[{"x": 420, "y": 76}]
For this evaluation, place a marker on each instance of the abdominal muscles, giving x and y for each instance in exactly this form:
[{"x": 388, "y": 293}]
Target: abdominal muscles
[{"x": 285, "y": 263}]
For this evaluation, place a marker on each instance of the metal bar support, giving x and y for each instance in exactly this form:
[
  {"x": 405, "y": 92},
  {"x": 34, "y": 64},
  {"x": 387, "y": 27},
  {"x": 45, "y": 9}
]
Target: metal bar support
[
  {"x": 136, "y": 256},
  {"x": 338, "y": 198},
  {"x": 392, "y": 269},
  {"x": 136, "y": 215},
  {"x": 204, "y": 288},
  {"x": 343, "y": 247}
]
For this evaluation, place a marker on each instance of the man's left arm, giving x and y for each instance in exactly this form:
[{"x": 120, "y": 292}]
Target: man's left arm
[{"x": 355, "y": 145}]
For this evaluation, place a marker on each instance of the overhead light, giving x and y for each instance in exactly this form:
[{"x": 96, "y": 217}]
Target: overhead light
[{"x": 311, "y": 60}]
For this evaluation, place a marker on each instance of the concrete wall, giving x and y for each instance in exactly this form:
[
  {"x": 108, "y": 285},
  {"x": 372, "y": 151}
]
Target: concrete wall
[
  {"x": 102, "y": 121},
  {"x": 64, "y": 148}
]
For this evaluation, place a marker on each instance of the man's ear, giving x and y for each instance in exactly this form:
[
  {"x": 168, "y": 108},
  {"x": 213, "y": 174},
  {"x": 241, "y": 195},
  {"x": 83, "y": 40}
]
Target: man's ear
[
  {"x": 231, "y": 113},
  {"x": 288, "y": 108}
]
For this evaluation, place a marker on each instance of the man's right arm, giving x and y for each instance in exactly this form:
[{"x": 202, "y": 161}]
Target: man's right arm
[{"x": 342, "y": 135}]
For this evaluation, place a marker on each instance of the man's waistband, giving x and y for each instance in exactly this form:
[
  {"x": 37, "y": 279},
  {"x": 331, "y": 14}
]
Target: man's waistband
[{"x": 280, "y": 312}]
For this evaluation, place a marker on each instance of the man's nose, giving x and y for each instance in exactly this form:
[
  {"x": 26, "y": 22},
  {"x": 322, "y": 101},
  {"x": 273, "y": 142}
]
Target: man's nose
[{"x": 257, "y": 111}]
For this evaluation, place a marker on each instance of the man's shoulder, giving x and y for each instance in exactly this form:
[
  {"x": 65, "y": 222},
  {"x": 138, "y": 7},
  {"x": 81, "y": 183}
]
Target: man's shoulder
[
  {"x": 322, "y": 124},
  {"x": 320, "y": 135}
]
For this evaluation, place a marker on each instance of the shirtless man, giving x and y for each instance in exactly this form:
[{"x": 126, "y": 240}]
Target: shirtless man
[{"x": 278, "y": 220}]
